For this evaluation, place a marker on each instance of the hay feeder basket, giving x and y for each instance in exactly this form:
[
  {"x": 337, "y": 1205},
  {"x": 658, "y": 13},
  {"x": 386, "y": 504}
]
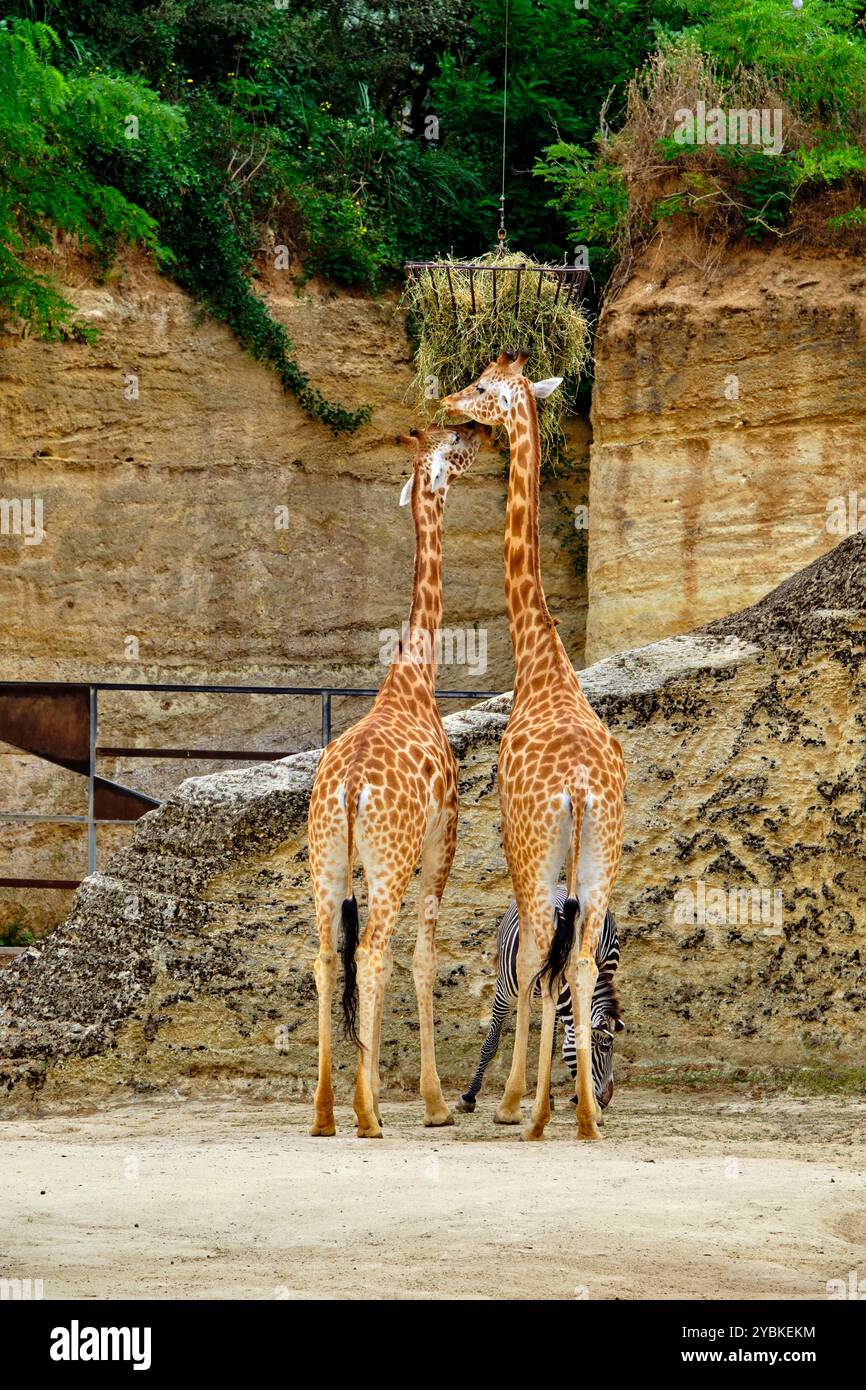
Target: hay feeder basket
[{"x": 570, "y": 280}]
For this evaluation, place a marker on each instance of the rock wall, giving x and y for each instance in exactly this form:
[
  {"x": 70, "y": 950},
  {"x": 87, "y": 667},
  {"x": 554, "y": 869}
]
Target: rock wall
[
  {"x": 162, "y": 455},
  {"x": 727, "y": 432},
  {"x": 188, "y": 960}
]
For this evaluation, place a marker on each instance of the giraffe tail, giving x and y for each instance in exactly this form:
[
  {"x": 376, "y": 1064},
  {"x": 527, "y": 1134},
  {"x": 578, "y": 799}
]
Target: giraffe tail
[
  {"x": 350, "y": 933},
  {"x": 562, "y": 944},
  {"x": 348, "y": 946},
  {"x": 560, "y": 948}
]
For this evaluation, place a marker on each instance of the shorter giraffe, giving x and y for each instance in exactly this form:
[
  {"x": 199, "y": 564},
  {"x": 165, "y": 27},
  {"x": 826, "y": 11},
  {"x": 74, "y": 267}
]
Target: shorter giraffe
[{"x": 388, "y": 788}]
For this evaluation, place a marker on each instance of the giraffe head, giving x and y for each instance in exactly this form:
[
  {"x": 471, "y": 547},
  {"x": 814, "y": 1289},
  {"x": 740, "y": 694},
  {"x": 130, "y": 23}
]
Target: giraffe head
[
  {"x": 500, "y": 393},
  {"x": 440, "y": 456}
]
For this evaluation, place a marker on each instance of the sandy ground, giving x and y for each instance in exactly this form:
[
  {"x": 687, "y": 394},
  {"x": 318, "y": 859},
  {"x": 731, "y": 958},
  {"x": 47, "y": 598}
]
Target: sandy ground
[{"x": 686, "y": 1197}]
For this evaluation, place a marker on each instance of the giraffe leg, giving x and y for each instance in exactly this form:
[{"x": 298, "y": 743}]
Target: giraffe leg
[
  {"x": 372, "y": 959},
  {"x": 508, "y": 1111},
  {"x": 582, "y": 974},
  {"x": 387, "y": 963},
  {"x": 541, "y": 921},
  {"x": 541, "y": 1109},
  {"x": 369, "y": 961},
  {"x": 436, "y": 862},
  {"x": 329, "y": 875},
  {"x": 598, "y": 860}
]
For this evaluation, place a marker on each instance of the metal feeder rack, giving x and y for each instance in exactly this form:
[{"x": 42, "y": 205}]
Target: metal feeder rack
[{"x": 570, "y": 279}]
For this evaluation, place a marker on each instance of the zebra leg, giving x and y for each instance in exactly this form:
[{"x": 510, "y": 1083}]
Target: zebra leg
[
  {"x": 569, "y": 1055},
  {"x": 466, "y": 1103}
]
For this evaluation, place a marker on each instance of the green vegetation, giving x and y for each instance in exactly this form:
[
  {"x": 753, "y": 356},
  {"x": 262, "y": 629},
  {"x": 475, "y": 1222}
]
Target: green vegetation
[
  {"x": 345, "y": 137},
  {"x": 806, "y": 69},
  {"x": 42, "y": 189},
  {"x": 14, "y": 931},
  {"x": 828, "y": 1080},
  {"x": 342, "y": 138}
]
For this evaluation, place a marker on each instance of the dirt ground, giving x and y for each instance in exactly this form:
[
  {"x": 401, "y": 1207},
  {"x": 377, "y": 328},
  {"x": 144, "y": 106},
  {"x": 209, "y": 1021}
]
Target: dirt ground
[{"x": 687, "y": 1197}]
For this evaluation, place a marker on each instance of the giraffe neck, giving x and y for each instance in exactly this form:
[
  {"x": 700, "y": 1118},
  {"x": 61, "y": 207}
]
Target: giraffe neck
[
  {"x": 538, "y": 652},
  {"x": 420, "y": 637}
]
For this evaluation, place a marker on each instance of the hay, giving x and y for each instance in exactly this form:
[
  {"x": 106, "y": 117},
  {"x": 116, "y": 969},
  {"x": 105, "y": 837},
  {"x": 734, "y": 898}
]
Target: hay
[{"x": 454, "y": 349}]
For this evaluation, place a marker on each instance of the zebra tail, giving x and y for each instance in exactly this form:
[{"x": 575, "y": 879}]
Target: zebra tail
[{"x": 560, "y": 947}]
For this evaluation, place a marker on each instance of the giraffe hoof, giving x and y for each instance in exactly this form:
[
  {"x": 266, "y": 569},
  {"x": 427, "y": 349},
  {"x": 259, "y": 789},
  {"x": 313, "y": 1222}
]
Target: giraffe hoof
[
  {"x": 323, "y": 1131},
  {"x": 465, "y": 1106},
  {"x": 533, "y": 1135},
  {"x": 506, "y": 1117},
  {"x": 437, "y": 1121},
  {"x": 588, "y": 1131},
  {"x": 368, "y": 1132}
]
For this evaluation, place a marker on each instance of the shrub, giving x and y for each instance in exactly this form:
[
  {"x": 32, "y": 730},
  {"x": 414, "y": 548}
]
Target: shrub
[
  {"x": 43, "y": 188},
  {"x": 103, "y": 158},
  {"x": 747, "y": 55}
]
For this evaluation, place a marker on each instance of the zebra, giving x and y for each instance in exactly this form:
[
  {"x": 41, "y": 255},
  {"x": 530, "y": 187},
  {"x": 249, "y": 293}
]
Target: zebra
[{"x": 606, "y": 1009}]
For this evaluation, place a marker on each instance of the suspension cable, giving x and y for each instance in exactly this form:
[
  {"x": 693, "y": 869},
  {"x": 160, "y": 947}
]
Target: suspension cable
[{"x": 501, "y": 233}]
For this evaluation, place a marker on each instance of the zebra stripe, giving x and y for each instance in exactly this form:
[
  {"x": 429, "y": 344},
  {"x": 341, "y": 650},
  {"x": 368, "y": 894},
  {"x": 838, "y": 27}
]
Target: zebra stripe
[{"x": 606, "y": 1015}]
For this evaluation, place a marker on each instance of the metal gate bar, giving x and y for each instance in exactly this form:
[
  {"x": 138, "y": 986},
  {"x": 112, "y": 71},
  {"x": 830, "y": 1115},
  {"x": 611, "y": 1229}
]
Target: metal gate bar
[{"x": 324, "y": 693}]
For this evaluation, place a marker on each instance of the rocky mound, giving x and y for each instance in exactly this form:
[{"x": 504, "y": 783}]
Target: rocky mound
[{"x": 740, "y": 899}]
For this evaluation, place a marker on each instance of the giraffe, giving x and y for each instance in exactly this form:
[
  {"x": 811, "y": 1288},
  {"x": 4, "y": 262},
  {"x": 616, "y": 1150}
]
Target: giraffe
[
  {"x": 561, "y": 773},
  {"x": 387, "y": 788}
]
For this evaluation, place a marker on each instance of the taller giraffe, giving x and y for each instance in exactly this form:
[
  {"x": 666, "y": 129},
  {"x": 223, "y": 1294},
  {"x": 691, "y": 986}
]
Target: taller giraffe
[
  {"x": 561, "y": 773},
  {"x": 387, "y": 788}
]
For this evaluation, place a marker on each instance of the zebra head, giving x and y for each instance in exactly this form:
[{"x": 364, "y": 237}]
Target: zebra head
[{"x": 602, "y": 1061}]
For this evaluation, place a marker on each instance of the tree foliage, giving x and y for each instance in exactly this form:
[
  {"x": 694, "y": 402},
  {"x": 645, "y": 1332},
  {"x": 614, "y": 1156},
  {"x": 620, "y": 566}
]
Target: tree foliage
[{"x": 361, "y": 134}]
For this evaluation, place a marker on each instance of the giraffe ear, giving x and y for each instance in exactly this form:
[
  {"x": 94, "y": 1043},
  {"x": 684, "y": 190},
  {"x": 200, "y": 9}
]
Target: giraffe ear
[
  {"x": 438, "y": 471},
  {"x": 540, "y": 389},
  {"x": 406, "y": 494}
]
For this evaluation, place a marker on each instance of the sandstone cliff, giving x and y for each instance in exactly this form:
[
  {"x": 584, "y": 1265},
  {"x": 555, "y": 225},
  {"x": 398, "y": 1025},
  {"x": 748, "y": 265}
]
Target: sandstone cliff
[
  {"x": 740, "y": 898},
  {"x": 727, "y": 432}
]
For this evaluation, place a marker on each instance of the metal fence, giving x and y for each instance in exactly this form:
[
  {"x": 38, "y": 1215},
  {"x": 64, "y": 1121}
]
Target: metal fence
[{"x": 90, "y": 691}]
